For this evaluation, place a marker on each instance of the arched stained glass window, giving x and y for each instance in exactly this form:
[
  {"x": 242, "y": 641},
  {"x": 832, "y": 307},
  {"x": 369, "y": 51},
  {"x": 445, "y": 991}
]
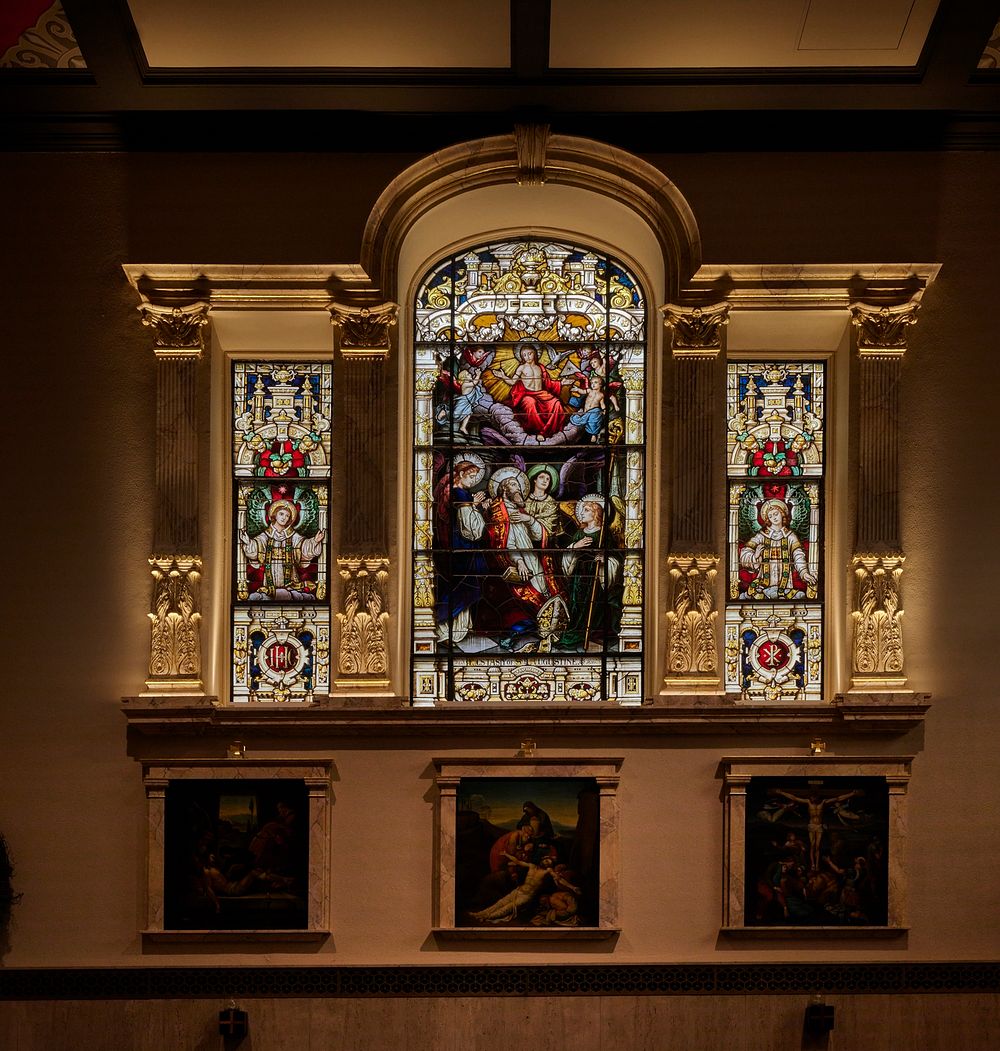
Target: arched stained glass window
[{"x": 529, "y": 467}]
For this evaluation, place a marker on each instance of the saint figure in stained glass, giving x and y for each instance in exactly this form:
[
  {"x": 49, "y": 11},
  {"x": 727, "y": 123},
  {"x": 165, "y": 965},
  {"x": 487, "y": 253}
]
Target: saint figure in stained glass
[
  {"x": 281, "y": 562},
  {"x": 774, "y": 556}
]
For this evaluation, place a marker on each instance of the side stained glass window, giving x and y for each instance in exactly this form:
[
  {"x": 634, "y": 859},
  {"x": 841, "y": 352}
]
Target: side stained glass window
[
  {"x": 775, "y": 468},
  {"x": 281, "y": 493},
  {"x": 529, "y": 466}
]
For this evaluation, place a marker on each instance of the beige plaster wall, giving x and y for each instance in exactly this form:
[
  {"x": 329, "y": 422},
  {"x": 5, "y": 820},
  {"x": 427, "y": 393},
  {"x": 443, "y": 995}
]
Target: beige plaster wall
[{"x": 79, "y": 380}]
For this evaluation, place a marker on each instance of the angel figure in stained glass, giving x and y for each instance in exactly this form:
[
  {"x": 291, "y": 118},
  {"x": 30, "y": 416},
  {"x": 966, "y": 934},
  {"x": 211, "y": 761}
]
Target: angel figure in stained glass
[
  {"x": 280, "y": 561},
  {"x": 591, "y": 414},
  {"x": 775, "y": 556}
]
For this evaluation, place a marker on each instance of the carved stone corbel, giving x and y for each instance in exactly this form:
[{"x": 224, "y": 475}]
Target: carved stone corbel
[
  {"x": 878, "y": 634},
  {"x": 363, "y": 659},
  {"x": 692, "y": 658},
  {"x": 175, "y": 644}
]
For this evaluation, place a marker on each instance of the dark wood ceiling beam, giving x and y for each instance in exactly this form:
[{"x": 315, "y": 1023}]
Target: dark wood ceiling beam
[
  {"x": 102, "y": 29},
  {"x": 530, "y": 21},
  {"x": 960, "y": 33}
]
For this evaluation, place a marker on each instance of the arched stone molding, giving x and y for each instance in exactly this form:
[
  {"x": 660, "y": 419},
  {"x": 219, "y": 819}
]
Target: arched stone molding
[{"x": 552, "y": 159}]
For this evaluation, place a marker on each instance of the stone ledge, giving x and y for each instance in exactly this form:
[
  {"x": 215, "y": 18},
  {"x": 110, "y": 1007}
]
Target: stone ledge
[{"x": 387, "y": 716}]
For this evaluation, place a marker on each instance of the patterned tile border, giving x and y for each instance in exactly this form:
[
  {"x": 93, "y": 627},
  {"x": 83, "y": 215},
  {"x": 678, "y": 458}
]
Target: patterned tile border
[{"x": 141, "y": 983}]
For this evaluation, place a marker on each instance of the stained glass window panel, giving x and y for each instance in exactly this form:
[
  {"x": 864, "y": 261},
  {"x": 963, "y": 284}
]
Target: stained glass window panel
[
  {"x": 775, "y": 451},
  {"x": 529, "y": 465},
  {"x": 281, "y": 422},
  {"x": 776, "y": 418},
  {"x": 281, "y": 419}
]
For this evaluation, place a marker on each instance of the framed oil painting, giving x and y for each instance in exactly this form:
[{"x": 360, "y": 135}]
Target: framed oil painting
[
  {"x": 237, "y": 849},
  {"x": 528, "y": 848},
  {"x": 815, "y": 843}
]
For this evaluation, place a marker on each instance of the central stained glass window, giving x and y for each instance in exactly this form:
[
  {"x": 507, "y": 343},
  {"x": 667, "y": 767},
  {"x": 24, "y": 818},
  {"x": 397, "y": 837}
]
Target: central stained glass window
[{"x": 529, "y": 469}]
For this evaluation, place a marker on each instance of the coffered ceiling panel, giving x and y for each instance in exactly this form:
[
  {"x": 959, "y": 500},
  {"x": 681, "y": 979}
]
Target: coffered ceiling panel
[
  {"x": 738, "y": 34},
  {"x": 297, "y": 34}
]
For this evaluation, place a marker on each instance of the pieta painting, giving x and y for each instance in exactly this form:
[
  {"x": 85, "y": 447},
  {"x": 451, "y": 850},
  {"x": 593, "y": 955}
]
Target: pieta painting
[
  {"x": 236, "y": 855},
  {"x": 528, "y": 848},
  {"x": 529, "y": 468},
  {"x": 527, "y": 852}
]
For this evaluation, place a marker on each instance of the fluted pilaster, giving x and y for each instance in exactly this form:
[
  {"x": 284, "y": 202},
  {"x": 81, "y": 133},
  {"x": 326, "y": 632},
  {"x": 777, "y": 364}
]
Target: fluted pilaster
[
  {"x": 696, "y": 343},
  {"x": 363, "y": 338},
  {"x": 175, "y": 617},
  {"x": 877, "y": 651}
]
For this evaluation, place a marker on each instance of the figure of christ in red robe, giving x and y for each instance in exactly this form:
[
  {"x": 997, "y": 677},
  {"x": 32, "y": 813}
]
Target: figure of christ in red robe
[{"x": 535, "y": 396}]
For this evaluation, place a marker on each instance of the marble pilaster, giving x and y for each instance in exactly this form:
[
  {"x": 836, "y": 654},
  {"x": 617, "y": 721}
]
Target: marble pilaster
[
  {"x": 363, "y": 339},
  {"x": 175, "y": 643},
  {"x": 692, "y": 643},
  {"x": 877, "y": 650}
]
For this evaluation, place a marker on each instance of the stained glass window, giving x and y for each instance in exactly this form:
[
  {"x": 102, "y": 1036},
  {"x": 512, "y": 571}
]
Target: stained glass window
[
  {"x": 529, "y": 464},
  {"x": 776, "y": 463},
  {"x": 281, "y": 490}
]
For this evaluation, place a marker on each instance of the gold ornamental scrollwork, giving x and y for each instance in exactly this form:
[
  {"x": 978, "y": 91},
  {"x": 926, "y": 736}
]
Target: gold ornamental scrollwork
[
  {"x": 692, "y": 657},
  {"x": 878, "y": 632},
  {"x": 177, "y": 331},
  {"x": 363, "y": 659},
  {"x": 882, "y": 330},
  {"x": 697, "y": 331},
  {"x": 175, "y": 620},
  {"x": 363, "y": 332}
]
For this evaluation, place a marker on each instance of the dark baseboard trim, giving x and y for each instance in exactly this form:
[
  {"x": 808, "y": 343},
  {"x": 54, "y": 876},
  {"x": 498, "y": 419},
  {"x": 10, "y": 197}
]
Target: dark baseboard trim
[{"x": 144, "y": 983}]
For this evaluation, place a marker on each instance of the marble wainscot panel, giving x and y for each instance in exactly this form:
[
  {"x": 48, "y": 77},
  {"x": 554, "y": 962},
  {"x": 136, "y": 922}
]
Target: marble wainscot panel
[
  {"x": 256, "y": 885},
  {"x": 527, "y": 848},
  {"x": 814, "y": 845}
]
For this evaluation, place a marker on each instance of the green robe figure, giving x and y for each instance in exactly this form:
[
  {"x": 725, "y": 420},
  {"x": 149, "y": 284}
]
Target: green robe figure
[{"x": 593, "y": 591}]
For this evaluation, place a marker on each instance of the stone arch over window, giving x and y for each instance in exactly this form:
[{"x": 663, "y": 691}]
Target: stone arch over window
[{"x": 585, "y": 205}]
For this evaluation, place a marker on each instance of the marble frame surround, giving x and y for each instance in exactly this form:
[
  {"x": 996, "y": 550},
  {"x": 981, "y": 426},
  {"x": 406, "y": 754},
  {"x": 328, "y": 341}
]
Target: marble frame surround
[
  {"x": 736, "y": 773},
  {"x": 314, "y": 773},
  {"x": 451, "y": 771}
]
